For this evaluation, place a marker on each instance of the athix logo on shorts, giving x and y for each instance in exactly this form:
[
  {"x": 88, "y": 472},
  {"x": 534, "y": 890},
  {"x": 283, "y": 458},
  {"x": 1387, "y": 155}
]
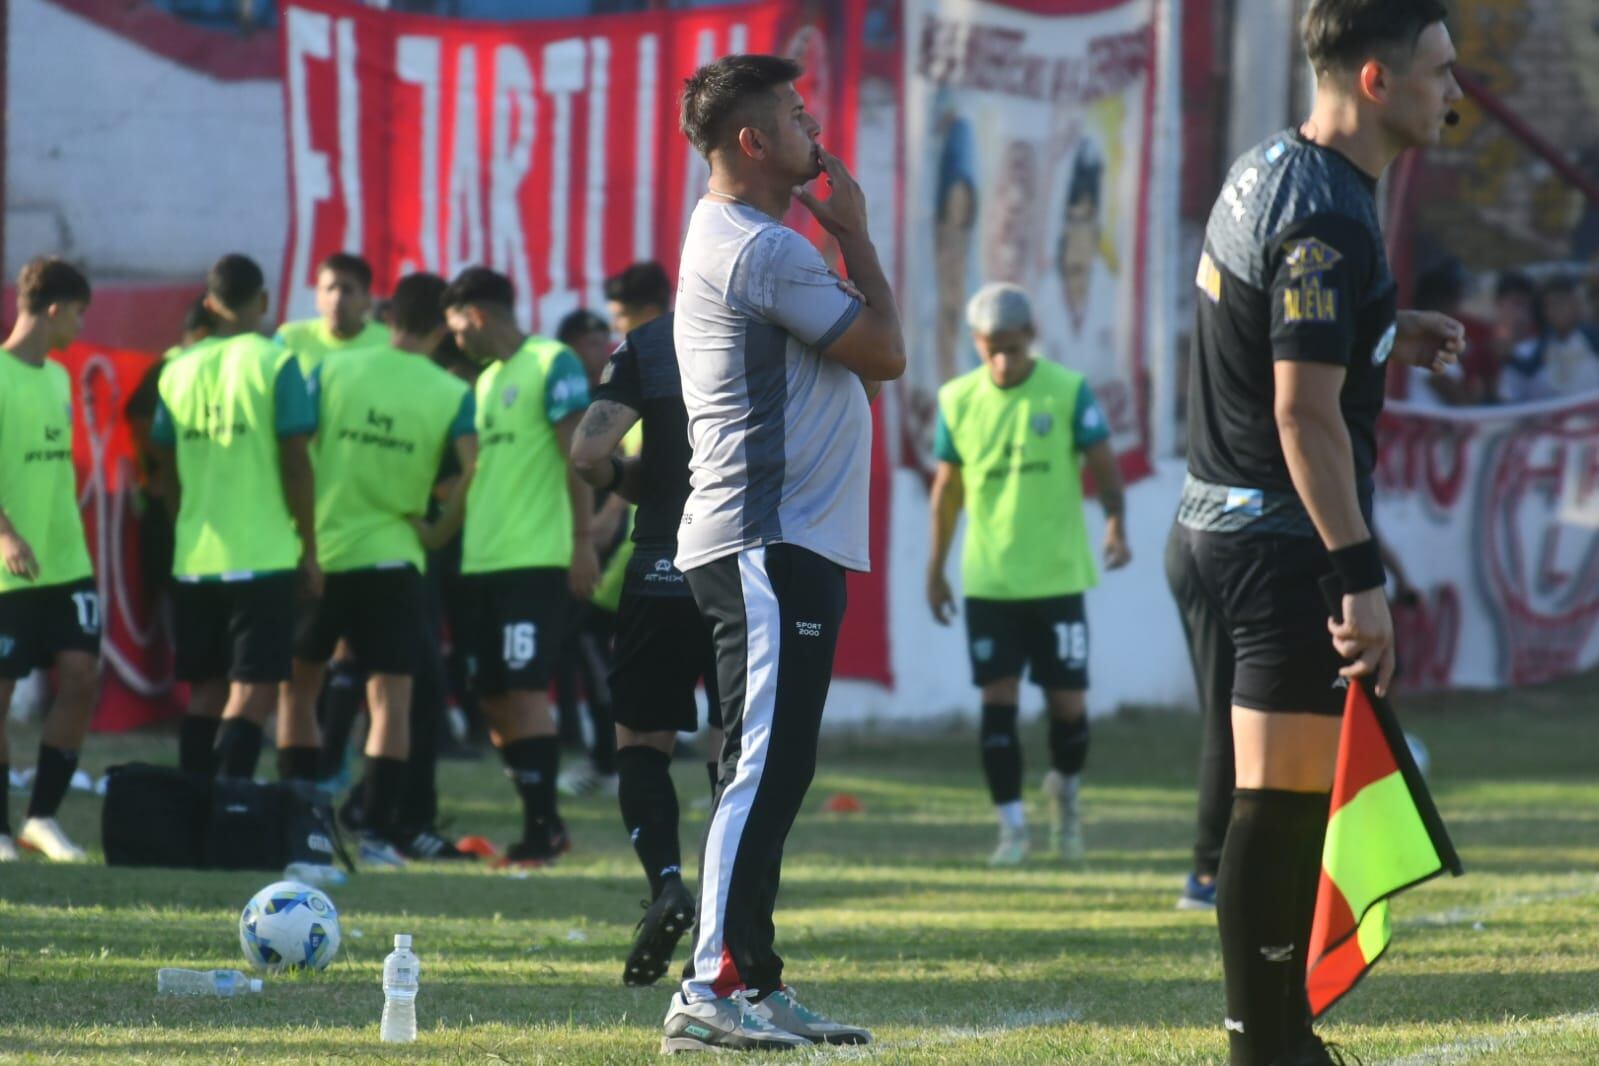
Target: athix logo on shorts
[
  {"x": 7, "y": 646},
  {"x": 983, "y": 649},
  {"x": 808, "y": 629}
]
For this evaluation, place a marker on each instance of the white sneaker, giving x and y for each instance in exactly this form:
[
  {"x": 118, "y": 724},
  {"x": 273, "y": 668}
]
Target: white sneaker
[
  {"x": 584, "y": 780},
  {"x": 1012, "y": 848},
  {"x": 8, "y": 849},
  {"x": 786, "y": 1012},
  {"x": 375, "y": 851},
  {"x": 726, "y": 1024},
  {"x": 1065, "y": 820},
  {"x": 44, "y": 835}
]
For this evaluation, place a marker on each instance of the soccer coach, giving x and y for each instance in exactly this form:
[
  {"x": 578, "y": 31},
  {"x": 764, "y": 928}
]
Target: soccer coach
[{"x": 778, "y": 364}]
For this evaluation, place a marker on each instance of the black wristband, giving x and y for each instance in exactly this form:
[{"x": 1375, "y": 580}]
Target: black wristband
[
  {"x": 616, "y": 473},
  {"x": 1359, "y": 567}
]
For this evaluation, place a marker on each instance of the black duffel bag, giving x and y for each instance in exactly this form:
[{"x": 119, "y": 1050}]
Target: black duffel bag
[{"x": 160, "y": 816}]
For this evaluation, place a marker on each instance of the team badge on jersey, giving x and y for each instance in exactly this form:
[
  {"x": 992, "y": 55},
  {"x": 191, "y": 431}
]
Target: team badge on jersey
[
  {"x": 1385, "y": 346},
  {"x": 1042, "y": 423},
  {"x": 509, "y": 395},
  {"x": 1311, "y": 256},
  {"x": 1209, "y": 278}
]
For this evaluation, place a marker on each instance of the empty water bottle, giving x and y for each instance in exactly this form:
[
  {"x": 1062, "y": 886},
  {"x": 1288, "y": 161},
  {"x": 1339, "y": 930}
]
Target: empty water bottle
[
  {"x": 400, "y": 973},
  {"x": 172, "y": 981}
]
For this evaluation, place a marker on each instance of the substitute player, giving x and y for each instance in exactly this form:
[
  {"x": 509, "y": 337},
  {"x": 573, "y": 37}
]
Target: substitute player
[
  {"x": 777, "y": 364},
  {"x": 49, "y": 607},
  {"x": 663, "y": 646},
  {"x": 387, "y": 414},
  {"x": 233, "y": 429},
  {"x": 343, "y": 307},
  {"x": 1296, "y": 323},
  {"x": 1011, "y": 440},
  {"x": 527, "y": 546}
]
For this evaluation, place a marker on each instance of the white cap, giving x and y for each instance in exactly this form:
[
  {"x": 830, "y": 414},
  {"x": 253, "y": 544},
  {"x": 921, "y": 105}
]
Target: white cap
[
  {"x": 402, "y": 940},
  {"x": 999, "y": 306},
  {"x": 255, "y": 984}
]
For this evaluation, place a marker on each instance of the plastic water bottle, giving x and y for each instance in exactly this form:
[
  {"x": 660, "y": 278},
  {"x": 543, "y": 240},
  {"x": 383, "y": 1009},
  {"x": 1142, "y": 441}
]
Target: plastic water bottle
[
  {"x": 400, "y": 973},
  {"x": 172, "y": 981}
]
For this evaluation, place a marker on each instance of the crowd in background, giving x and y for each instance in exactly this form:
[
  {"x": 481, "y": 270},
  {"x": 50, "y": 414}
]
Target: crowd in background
[{"x": 1533, "y": 336}]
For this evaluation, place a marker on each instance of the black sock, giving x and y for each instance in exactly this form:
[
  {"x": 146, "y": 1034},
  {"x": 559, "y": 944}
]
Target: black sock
[
  {"x": 197, "y": 741},
  {"x": 1259, "y": 911},
  {"x": 299, "y": 763},
  {"x": 238, "y": 748},
  {"x": 343, "y": 695},
  {"x": 1002, "y": 752},
  {"x": 532, "y": 763},
  {"x": 381, "y": 790},
  {"x": 1068, "y": 745},
  {"x": 649, "y": 810},
  {"x": 5, "y": 796},
  {"x": 1305, "y": 916},
  {"x": 51, "y": 778}
]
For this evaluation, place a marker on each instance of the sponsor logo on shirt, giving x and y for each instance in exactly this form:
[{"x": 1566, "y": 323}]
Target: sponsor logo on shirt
[
  {"x": 1310, "y": 302},
  {"x": 808, "y": 629},
  {"x": 52, "y": 433},
  {"x": 1209, "y": 278},
  {"x": 1311, "y": 256}
]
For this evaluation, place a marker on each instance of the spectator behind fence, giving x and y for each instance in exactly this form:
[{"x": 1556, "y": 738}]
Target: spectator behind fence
[
  {"x": 1515, "y": 314},
  {"x": 1563, "y": 359},
  {"x": 1474, "y": 379}
]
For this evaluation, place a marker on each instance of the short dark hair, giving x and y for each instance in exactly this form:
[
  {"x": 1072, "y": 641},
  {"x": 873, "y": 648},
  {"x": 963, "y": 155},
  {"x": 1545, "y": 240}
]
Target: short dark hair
[
  {"x": 640, "y": 285},
  {"x": 723, "y": 97},
  {"x": 50, "y": 280},
  {"x": 578, "y": 323},
  {"x": 348, "y": 263},
  {"x": 199, "y": 317},
  {"x": 479, "y": 285},
  {"x": 1559, "y": 285},
  {"x": 1514, "y": 283},
  {"x": 1343, "y": 34},
  {"x": 417, "y": 304},
  {"x": 235, "y": 280}
]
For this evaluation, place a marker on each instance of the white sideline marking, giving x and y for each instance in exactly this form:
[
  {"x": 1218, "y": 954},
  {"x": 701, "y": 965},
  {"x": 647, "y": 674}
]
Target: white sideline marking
[
  {"x": 1459, "y": 915},
  {"x": 1466, "y": 1050}
]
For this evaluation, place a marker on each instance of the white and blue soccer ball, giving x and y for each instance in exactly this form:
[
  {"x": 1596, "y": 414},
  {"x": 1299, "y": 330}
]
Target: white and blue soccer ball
[{"x": 288, "y": 925}]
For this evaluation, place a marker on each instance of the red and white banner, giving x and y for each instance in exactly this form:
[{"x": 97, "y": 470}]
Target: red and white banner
[
  {"x": 1493, "y": 513},
  {"x": 1030, "y": 129},
  {"x": 547, "y": 150}
]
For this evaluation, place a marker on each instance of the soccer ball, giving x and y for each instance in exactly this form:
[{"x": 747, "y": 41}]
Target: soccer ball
[{"x": 288, "y": 925}]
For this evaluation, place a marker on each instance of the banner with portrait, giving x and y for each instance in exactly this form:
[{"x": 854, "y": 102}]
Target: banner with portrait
[{"x": 1029, "y": 133}]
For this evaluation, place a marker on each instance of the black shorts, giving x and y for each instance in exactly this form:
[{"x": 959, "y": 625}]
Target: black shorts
[
  {"x": 518, "y": 621},
  {"x": 1267, "y": 588},
  {"x": 241, "y": 630},
  {"x": 663, "y": 651},
  {"x": 36, "y": 625},
  {"x": 380, "y": 612},
  {"x": 1049, "y": 636}
]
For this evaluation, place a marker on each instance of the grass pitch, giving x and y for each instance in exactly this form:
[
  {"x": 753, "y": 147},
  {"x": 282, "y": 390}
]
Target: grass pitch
[{"x": 888, "y": 917}]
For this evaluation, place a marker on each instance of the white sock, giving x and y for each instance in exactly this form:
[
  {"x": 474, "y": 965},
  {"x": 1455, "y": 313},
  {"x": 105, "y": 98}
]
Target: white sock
[{"x": 1012, "y": 815}]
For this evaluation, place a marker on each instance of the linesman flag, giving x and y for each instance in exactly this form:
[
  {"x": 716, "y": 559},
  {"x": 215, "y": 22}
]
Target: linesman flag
[{"x": 1384, "y": 835}]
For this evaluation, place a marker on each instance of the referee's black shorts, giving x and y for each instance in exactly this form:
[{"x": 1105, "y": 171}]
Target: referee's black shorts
[
  {"x": 381, "y": 612},
  {"x": 1267, "y": 588},
  {"x": 663, "y": 651}
]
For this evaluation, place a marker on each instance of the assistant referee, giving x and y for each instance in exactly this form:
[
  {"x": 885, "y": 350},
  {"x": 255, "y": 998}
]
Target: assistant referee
[{"x": 1296, "y": 322}]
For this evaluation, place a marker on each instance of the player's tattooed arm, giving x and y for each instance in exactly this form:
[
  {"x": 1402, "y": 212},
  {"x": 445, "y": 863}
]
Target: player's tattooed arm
[
  {"x": 1113, "y": 498},
  {"x": 594, "y": 445}
]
